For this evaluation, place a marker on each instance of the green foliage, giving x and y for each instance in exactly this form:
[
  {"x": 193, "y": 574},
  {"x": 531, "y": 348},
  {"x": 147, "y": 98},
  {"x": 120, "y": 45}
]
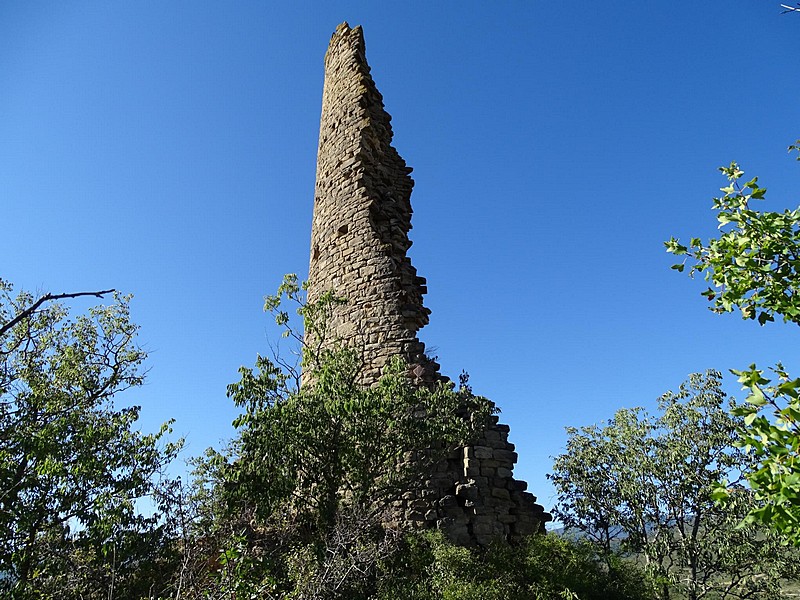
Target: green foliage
[
  {"x": 774, "y": 442},
  {"x": 754, "y": 265},
  {"x": 71, "y": 464},
  {"x": 335, "y": 439},
  {"x": 298, "y": 503},
  {"x": 542, "y": 567},
  {"x": 309, "y": 478},
  {"x": 645, "y": 484}
]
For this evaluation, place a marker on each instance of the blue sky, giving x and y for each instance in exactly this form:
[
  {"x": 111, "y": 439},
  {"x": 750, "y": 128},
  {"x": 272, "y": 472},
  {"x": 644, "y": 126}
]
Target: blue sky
[{"x": 168, "y": 150}]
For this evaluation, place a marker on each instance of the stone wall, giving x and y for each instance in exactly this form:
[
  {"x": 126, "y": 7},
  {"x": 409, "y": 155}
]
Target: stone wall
[
  {"x": 359, "y": 240},
  {"x": 473, "y": 496}
]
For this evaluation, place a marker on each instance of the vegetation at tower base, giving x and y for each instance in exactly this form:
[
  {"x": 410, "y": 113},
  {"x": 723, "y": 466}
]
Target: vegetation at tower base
[
  {"x": 298, "y": 503},
  {"x": 543, "y": 567},
  {"x": 71, "y": 464},
  {"x": 644, "y": 484},
  {"x": 319, "y": 465},
  {"x": 755, "y": 266}
]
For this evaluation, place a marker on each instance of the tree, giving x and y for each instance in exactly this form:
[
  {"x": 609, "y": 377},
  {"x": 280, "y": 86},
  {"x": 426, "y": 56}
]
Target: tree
[
  {"x": 645, "y": 483},
  {"x": 307, "y": 485},
  {"x": 71, "y": 464},
  {"x": 755, "y": 266}
]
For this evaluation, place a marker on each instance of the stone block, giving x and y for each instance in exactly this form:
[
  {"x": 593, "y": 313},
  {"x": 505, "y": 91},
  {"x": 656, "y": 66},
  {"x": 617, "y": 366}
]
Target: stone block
[
  {"x": 483, "y": 452},
  {"x": 501, "y": 493},
  {"x": 483, "y": 527},
  {"x": 506, "y": 455},
  {"x": 497, "y": 444},
  {"x": 494, "y": 503},
  {"x": 492, "y": 435},
  {"x": 518, "y": 486},
  {"x": 507, "y": 518}
]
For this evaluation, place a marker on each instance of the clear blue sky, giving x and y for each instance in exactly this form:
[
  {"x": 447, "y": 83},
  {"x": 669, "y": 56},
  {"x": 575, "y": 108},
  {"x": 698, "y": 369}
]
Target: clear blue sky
[{"x": 168, "y": 149}]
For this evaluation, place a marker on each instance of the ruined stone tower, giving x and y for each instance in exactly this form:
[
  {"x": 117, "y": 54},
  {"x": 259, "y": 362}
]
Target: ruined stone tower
[
  {"x": 362, "y": 215},
  {"x": 359, "y": 239}
]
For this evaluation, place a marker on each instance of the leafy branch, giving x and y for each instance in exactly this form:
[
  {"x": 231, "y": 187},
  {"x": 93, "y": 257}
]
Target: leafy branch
[
  {"x": 754, "y": 265},
  {"x": 774, "y": 442}
]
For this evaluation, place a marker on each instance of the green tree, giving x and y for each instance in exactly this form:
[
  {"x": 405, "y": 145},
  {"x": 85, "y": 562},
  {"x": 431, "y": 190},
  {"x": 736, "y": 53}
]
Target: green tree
[
  {"x": 754, "y": 266},
  {"x": 308, "y": 482},
  {"x": 644, "y": 484},
  {"x": 71, "y": 464}
]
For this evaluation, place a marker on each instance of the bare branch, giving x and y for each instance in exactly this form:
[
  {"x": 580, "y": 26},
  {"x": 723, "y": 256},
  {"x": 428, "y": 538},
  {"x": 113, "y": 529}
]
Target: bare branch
[
  {"x": 789, "y": 9},
  {"x": 46, "y": 298}
]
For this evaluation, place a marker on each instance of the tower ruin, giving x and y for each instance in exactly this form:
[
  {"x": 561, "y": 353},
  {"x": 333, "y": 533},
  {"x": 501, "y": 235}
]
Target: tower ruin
[
  {"x": 359, "y": 240},
  {"x": 362, "y": 216}
]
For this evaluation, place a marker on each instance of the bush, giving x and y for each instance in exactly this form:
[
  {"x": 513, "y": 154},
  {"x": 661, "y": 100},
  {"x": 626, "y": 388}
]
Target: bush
[{"x": 543, "y": 567}]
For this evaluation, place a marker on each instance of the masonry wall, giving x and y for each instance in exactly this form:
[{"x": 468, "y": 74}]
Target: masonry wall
[
  {"x": 359, "y": 240},
  {"x": 362, "y": 216}
]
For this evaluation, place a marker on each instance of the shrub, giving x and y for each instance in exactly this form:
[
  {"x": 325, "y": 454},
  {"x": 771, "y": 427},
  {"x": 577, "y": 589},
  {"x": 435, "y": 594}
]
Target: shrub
[{"x": 428, "y": 567}]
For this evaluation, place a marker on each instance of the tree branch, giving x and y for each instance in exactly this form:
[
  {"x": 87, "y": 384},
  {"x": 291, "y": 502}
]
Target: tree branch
[
  {"x": 789, "y": 9},
  {"x": 46, "y": 298}
]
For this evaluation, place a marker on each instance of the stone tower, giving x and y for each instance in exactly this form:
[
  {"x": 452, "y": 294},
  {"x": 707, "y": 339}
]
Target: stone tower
[
  {"x": 359, "y": 239},
  {"x": 362, "y": 215}
]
